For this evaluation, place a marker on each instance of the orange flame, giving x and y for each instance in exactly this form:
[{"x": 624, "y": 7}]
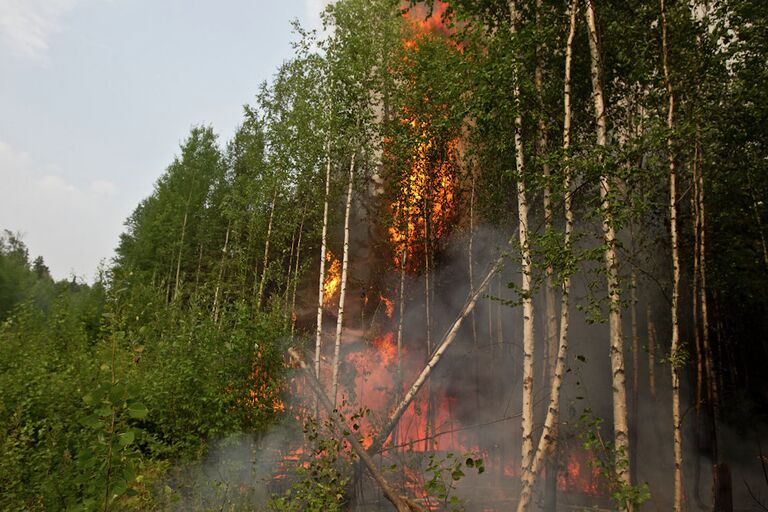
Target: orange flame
[
  {"x": 425, "y": 202},
  {"x": 332, "y": 278},
  {"x": 389, "y": 306},
  {"x": 386, "y": 348}
]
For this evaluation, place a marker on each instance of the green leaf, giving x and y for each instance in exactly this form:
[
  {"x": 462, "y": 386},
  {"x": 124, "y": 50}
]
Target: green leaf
[
  {"x": 91, "y": 421},
  {"x": 137, "y": 410},
  {"x": 104, "y": 412},
  {"x": 126, "y": 438}
]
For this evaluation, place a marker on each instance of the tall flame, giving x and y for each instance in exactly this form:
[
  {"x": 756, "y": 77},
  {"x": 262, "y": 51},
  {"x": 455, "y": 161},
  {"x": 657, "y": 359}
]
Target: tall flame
[
  {"x": 332, "y": 278},
  {"x": 425, "y": 201}
]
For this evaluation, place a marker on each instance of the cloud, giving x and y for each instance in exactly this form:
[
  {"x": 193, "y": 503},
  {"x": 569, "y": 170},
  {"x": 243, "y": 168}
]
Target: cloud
[
  {"x": 72, "y": 226},
  {"x": 26, "y": 26}
]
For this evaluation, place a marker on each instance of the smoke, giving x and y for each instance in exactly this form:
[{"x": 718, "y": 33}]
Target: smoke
[
  {"x": 472, "y": 401},
  {"x": 238, "y": 472}
]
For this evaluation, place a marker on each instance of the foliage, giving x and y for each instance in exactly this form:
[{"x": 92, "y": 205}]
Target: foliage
[
  {"x": 609, "y": 460},
  {"x": 444, "y": 473},
  {"x": 322, "y": 477}
]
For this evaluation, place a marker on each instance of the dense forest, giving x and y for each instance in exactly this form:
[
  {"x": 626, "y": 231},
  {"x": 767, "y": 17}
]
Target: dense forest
[{"x": 470, "y": 255}]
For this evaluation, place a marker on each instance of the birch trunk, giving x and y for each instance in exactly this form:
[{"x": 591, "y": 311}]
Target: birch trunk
[
  {"x": 525, "y": 265},
  {"x": 470, "y": 255},
  {"x": 343, "y": 285},
  {"x": 429, "y": 427},
  {"x": 674, "y": 366},
  {"x": 723, "y": 501},
  {"x": 260, "y": 293},
  {"x": 620, "y": 428},
  {"x": 401, "y": 312},
  {"x": 215, "y": 313},
  {"x": 323, "y": 249},
  {"x": 548, "y": 437},
  {"x": 296, "y": 270},
  {"x": 471, "y": 270},
  {"x": 446, "y": 341},
  {"x": 181, "y": 248},
  {"x": 550, "y": 324}
]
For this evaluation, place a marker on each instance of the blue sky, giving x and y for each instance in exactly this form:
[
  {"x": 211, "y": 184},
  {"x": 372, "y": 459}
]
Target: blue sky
[{"x": 96, "y": 95}]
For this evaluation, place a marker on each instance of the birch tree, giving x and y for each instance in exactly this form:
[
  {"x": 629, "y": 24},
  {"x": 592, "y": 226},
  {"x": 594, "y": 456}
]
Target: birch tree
[
  {"x": 619, "y": 398},
  {"x": 675, "y": 361},
  {"x": 525, "y": 253},
  {"x": 548, "y": 439}
]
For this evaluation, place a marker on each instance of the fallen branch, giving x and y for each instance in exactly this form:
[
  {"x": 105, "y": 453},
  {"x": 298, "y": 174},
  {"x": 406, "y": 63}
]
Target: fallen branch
[
  {"x": 401, "y": 503},
  {"x": 448, "y": 338}
]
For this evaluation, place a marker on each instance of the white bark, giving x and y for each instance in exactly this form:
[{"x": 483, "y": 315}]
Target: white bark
[
  {"x": 620, "y": 428},
  {"x": 260, "y": 293},
  {"x": 222, "y": 263},
  {"x": 296, "y": 270},
  {"x": 343, "y": 286},
  {"x": 525, "y": 264},
  {"x": 323, "y": 249},
  {"x": 181, "y": 248},
  {"x": 549, "y": 433},
  {"x": 550, "y": 323}
]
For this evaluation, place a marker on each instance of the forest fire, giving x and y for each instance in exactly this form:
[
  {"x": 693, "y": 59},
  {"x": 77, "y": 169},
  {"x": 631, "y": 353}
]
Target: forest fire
[
  {"x": 332, "y": 278},
  {"x": 377, "y": 369},
  {"x": 389, "y": 306},
  {"x": 426, "y": 197}
]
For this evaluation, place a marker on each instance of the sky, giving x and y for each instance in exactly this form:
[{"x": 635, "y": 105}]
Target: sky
[{"x": 96, "y": 96}]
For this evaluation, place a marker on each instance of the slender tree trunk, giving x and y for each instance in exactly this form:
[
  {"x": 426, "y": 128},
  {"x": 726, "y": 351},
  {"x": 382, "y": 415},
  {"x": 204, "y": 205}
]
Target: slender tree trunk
[
  {"x": 222, "y": 263},
  {"x": 181, "y": 248},
  {"x": 547, "y": 441},
  {"x": 722, "y": 497},
  {"x": 550, "y": 324},
  {"x": 401, "y": 312},
  {"x": 620, "y": 428},
  {"x": 296, "y": 270},
  {"x": 429, "y": 428},
  {"x": 323, "y": 250},
  {"x": 343, "y": 286},
  {"x": 674, "y": 366},
  {"x": 260, "y": 293},
  {"x": 471, "y": 270},
  {"x": 699, "y": 432},
  {"x": 525, "y": 265},
  {"x": 288, "y": 274}
]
